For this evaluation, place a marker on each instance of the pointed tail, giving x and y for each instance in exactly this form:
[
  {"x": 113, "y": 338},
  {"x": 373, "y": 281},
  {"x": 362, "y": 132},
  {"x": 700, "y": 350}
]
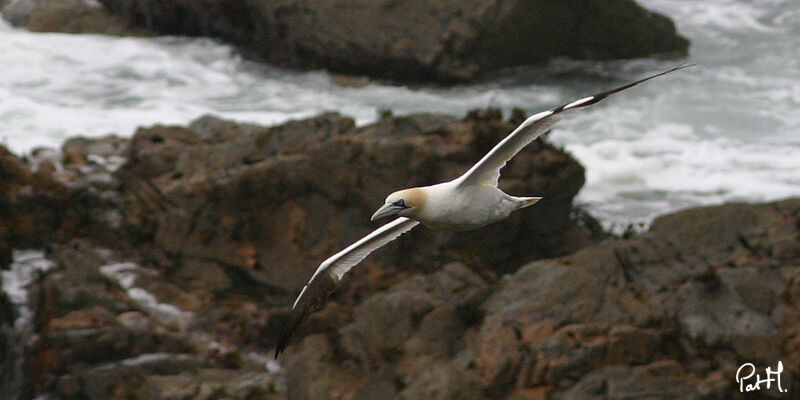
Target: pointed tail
[{"x": 528, "y": 201}]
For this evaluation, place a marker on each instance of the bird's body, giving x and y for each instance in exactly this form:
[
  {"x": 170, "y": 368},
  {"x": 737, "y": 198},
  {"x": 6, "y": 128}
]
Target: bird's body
[
  {"x": 455, "y": 206},
  {"x": 465, "y": 203}
]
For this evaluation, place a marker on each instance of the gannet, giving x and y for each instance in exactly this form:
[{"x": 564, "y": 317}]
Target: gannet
[{"x": 468, "y": 202}]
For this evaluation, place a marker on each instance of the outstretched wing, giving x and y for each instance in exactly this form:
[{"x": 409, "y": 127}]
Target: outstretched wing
[
  {"x": 328, "y": 274},
  {"x": 487, "y": 170}
]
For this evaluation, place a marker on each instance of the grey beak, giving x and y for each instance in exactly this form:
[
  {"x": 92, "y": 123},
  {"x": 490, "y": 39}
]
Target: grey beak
[{"x": 385, "y": 211}]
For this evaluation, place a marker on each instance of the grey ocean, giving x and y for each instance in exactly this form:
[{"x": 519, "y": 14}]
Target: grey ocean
[{"x": 726, "y": 130}]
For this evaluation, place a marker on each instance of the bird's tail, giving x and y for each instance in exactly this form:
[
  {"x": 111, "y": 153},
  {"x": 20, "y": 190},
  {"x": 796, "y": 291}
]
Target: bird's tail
[{"x": 528, "y": 201}]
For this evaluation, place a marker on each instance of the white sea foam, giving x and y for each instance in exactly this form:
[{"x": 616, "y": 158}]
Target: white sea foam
[
  {"x": 18, "y": 278},
  {"x": 728, "y": 129},
  {"x": 126, "y": 274},
  {"x": 270, "y": 364}
]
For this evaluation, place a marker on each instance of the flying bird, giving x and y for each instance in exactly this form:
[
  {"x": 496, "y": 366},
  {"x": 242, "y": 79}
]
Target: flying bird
[{"x": 465, "y": 203}]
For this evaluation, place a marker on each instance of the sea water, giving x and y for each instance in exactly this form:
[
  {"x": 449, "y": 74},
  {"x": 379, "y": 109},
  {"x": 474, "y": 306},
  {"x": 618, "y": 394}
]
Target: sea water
[{"x": 726, "y": 130}]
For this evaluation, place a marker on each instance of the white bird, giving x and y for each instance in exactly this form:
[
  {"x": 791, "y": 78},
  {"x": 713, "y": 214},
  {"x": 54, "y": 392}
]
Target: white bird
[{"x": 465, "y": 203}]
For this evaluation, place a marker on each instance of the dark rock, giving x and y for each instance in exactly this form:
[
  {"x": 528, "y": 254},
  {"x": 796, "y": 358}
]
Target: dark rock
[
  {"x": 415, "y": 324},
  {"x": 212, "y": 384},
  {"x": 670, "y": 314},
  {"x": 419, "y": 317},
  {"x": 220, "y": 223},
  {"x": 236, "y": 209},
  {"x": 80, "y": 319},
  {"x": 415, "y": 40},
  {"x": 107, "y": 330},
  {"x": 232, "y": 201},
  {"x": 665, "y": 380},
  {"x": 41, "y": 205}
]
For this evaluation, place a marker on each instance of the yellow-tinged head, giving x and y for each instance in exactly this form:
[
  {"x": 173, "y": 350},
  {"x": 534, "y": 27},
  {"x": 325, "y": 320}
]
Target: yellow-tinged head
[{"x": 404, "y": 203}]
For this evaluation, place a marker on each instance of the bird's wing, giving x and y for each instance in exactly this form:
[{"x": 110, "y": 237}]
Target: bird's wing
[
  {"x": 487, "y": 170},
  {"x": 328, "y": 274}
]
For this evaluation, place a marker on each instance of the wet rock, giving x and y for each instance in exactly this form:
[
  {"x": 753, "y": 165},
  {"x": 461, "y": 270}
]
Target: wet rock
[{"x": 415, "y": 40}]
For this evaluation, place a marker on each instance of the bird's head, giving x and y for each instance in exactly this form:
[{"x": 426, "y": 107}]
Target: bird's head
[{"x": 404, "y": 203}]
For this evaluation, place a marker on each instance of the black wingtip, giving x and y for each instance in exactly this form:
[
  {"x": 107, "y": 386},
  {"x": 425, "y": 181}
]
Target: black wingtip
[
  {"x": 313, "y": 296},
  {"x": 279, "y": 348},
  {"x": 589, "y": 100},
  {"x": 286, "y": 332},
  {"x": 283, "y": 339},
  {"x": 603, "y": 95}
]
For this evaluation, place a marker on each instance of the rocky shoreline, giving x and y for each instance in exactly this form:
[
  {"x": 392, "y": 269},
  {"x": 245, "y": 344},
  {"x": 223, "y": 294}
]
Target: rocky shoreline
[
  {"x": 405, "y": 41},
  {"x": 177, "y": 253}
]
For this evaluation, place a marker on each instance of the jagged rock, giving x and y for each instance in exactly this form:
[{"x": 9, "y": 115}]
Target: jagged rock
[
  {"x": 414, "y": 40},
  {"x": 222, "y": 222},
  {"x": 210, "y": 206},
  {"x": 269, "y": 204},
  {"x": 670, "y": 313}
]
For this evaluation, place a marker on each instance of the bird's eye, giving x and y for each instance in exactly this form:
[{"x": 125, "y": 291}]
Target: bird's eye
[{"x": 400, "y": 203}]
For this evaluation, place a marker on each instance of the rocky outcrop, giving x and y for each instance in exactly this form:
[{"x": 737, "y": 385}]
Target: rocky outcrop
[
  {"x": 669, "y": 314},
  {"x": 46, "y": 200},
  {"x": 444, "y": 41},
  {"x": 104, "y": 330},
  {"x": 269, "y": 204},
  {"x": 416, "y": 40},
  {"x": 43, "y": 204},
  {"x": 175, "y": 272}
]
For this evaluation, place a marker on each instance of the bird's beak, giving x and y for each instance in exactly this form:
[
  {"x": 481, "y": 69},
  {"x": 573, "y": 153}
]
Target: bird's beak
[{"x": 385, "y": 211}]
